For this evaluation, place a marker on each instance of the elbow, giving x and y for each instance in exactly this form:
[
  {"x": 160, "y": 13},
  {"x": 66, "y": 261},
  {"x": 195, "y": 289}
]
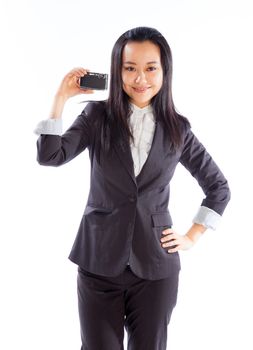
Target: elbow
[
  {"x": 41, "y": 159},
  {"x": 217, "y": 198},
  {"x": 228, "y": 194},
  {"x": 225, "y": 198},
  {"x": 46, "y": 160},
  {"x": 49, "y": 151}
]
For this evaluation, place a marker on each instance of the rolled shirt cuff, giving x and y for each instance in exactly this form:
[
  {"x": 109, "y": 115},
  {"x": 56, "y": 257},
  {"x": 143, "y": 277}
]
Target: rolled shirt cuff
[
  {"x": 207, "y": 217},
  {"x": 49, "y": 127}
]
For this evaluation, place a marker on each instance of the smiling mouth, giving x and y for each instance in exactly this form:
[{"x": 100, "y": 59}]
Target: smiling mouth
[{"x": 140, "y": 90}]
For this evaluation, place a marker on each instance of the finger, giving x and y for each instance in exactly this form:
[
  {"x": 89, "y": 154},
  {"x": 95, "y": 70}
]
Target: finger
[
  {"x": 169, "y": 237},
  {"x": 87, "y": 91},
  {"x": 82, "y": 71},
  {"x": 78, "y": 81},
  {"x": 174, "y": 249},
  {"x": 77, "y": 72},
  {"x": 78, "y": 69},
  {"x": 170, "y": 243},
  {"x": 167, "y": 231}
]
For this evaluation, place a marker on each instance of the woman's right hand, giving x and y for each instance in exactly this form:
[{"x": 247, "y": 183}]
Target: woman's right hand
[{"x": 70, "y": 85}]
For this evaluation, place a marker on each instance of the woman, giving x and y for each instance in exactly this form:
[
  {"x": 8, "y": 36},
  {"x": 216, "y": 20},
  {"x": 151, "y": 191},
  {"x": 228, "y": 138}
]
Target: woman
[{"x": 126, "y": 249}]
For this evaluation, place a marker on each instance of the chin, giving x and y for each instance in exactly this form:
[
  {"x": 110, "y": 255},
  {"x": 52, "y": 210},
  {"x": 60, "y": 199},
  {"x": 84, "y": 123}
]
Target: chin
[
  {"x": 141, "y": 99},
  {"x": 143, "y": 102}
]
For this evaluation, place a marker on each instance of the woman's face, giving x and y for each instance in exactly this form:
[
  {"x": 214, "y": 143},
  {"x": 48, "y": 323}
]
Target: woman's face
[{"x": 142, "y": 73}]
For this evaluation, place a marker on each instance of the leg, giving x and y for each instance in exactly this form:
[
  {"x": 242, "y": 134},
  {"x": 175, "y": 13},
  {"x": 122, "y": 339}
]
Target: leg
[
  {"x": 149, "y": 306},
  {"x": 101, "y": 311}
]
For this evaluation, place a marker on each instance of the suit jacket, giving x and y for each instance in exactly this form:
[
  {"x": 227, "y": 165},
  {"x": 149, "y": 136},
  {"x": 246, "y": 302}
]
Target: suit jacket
[{"x": 125, "y": 215}]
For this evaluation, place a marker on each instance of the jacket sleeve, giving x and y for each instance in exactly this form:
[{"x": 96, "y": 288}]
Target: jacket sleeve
[
  {"x": 55, "y": 150},
  {"x": 202, "y": 167}
]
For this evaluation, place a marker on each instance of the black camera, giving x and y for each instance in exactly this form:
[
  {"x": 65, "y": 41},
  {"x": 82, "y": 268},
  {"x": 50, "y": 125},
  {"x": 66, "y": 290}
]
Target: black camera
[{"x": 94, "y": 81}]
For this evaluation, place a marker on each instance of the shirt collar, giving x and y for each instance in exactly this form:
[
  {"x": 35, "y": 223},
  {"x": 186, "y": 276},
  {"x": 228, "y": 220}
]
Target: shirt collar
[{"x": 136, "y": 109}]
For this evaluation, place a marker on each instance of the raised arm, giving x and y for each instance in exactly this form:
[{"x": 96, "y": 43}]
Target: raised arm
[{"x": 54, "y": 148}]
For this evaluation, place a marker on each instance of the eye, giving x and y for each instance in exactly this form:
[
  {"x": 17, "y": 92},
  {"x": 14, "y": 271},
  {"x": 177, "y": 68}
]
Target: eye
[
  {"x": 151, "y": 69},
  {"x": 129, "y": 69}
]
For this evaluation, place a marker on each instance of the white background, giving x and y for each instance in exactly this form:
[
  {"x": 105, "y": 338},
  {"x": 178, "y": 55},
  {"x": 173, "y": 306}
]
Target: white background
[{"x": 41, "y": 207}]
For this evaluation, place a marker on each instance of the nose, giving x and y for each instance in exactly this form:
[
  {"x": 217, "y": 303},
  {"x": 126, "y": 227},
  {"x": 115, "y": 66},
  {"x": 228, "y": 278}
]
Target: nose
[{"x": 140, "y": 78}]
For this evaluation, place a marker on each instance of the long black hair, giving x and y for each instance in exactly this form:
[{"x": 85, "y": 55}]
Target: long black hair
[{"x": 116, "y": 128}]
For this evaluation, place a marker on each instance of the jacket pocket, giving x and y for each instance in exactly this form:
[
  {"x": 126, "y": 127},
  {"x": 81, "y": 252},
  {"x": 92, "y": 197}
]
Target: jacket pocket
[
  {"x": 99, "y": 216},
  {"x": 161, "y": 219},
  {"x": 100, "y": 210}
]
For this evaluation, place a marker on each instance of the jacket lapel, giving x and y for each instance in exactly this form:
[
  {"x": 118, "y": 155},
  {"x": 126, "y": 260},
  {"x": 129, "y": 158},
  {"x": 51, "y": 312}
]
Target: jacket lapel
[
  {"x": 154, "y": 156},
  {"x": 125, "y": 156}
]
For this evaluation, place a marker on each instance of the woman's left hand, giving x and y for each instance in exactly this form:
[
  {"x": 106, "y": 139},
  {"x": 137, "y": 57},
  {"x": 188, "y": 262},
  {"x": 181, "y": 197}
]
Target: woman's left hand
[{"x": 171, "y": 238}]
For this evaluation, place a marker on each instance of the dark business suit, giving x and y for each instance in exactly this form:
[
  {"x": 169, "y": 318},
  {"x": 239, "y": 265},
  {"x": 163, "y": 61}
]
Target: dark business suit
[{"x": 125, "y": 215}]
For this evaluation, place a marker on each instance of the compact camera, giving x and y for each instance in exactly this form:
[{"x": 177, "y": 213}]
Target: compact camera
[{"x": 94, "y": 81}]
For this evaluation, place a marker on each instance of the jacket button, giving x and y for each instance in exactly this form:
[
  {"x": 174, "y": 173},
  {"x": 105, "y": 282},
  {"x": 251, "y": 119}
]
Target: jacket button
[{"x": 132, "y": 198}]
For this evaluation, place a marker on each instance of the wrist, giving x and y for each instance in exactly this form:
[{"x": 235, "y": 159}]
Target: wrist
[
  {"x": 58, "y": 106},
  {"x": 195, "y": 232},
  {"x": 59, "y": 97}
]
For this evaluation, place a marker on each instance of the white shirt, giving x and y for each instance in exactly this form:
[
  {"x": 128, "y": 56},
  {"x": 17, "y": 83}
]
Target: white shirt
[{"x": 142, "y": 125}]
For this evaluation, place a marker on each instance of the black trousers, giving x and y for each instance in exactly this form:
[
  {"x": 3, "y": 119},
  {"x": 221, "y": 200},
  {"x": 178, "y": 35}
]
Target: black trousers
[{"x": 108, "y": 304}]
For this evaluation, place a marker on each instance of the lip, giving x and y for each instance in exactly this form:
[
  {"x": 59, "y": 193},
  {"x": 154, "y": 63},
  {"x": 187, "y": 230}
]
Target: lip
[{"x": 141, "y": 89}]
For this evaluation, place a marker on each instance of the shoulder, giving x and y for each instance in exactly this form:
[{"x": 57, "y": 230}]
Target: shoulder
[
  {"x": 188, "y": 138},
  {"x": 184, "y": 126},
  {"x": 93, "y": 108},
  {"x": 93, "y": 114}
]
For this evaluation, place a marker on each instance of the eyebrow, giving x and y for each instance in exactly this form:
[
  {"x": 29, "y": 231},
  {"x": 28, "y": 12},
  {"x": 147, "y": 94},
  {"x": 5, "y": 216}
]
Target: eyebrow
[{"x": 151, "y": 62}]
